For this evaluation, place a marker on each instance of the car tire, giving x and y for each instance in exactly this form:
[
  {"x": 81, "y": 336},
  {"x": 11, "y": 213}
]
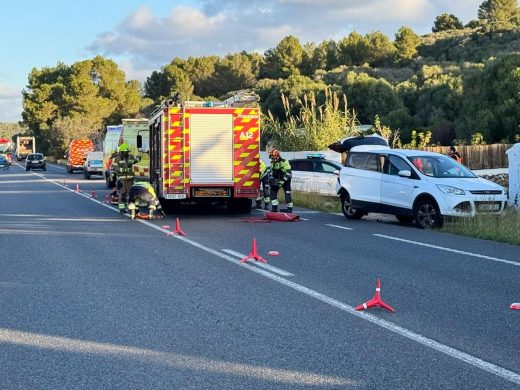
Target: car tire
[
  {"x": 27, "y": 168},
  {"x": 405, "y": 218},
  {"x": 86, "y": 175},
  {"x": 44, "y": 167},
  {"x": 427, "y": 215},
  {"x": 69, "y": 169},
  {"x": 348, "y": 211}
]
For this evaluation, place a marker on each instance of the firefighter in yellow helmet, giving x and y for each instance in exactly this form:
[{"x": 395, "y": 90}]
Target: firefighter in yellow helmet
[
  {"x": 142, "y": 194},
  {"x": 122, "y": 166},
  {"x": 281, "y": 175},
  {"x": 265, "y": 188}
]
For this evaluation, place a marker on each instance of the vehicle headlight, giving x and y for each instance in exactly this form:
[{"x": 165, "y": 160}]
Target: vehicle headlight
[{"x": 450, "y": 190}]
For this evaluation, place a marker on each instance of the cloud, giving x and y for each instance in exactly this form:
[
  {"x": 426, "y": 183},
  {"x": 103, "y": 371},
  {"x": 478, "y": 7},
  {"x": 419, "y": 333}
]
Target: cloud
[{"x": 10, "y": 104}]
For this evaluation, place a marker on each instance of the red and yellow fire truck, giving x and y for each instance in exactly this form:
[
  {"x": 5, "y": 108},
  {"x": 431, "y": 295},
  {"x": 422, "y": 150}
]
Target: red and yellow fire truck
[{"x": 206, "y": 152}]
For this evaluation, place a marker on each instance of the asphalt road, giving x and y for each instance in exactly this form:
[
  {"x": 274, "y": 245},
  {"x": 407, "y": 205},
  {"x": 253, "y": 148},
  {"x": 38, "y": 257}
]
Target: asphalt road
[{"x": 92, "y": 300}]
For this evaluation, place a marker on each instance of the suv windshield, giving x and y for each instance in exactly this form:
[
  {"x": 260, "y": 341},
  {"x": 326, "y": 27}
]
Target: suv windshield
[
  {"x": 35, "y": 157},
  {"x": 440, "y": 166}
]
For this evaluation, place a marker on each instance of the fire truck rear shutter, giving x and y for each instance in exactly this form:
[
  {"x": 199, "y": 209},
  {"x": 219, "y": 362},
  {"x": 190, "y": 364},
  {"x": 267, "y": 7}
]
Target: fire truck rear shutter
[{"x": 211, "y": 148}]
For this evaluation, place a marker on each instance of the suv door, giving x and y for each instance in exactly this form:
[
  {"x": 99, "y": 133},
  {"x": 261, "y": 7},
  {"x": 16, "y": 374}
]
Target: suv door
[
  {"x": 397, "y": 191},
  {"x": 362, "y": 178}
]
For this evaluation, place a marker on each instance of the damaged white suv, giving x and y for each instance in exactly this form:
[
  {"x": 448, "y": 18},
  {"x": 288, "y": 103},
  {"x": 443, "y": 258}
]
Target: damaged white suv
[{"x": 414, "y": 186}]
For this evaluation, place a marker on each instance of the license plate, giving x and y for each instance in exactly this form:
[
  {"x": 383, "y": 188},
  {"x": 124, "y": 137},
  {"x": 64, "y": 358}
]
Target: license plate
[
  {"x": 175, "y": 196},
  {"x": 489, "y": 207}
]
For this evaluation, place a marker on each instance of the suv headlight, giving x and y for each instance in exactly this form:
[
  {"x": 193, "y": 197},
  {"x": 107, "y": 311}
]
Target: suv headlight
[{"x": 450, "y": 190}]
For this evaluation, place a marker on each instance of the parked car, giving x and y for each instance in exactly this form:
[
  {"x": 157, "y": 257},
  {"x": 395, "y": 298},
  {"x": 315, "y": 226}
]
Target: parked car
[
  {"x": 414, "y": 186},
  {"x": 35, "y": 160},
  {"x": 93, "y": 165},
  {"x": 315, "y": 174}
]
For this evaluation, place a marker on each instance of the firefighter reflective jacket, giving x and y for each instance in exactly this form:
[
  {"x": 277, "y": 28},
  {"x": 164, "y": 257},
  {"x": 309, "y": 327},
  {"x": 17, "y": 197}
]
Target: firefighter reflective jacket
[
  {"x": 281, "y": 170},
  {"x": 123, "y": 166}
]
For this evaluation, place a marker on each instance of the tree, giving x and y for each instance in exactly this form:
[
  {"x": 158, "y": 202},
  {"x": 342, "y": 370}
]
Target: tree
[
  {"x": 354, "y": 49},
  {"x": 498, "y": 11},
  {"x": 406, "y": 42},
  {"x": 381, "y": 51},
  {"x": 284, "y": 60},
  {"x": 87, "y": 95},
  {"x": 232, "y": 73},
  {"x": 445, "y": 22}
]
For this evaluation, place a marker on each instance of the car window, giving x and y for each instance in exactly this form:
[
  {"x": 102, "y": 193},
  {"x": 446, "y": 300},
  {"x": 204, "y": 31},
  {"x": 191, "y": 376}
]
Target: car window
[
  {"x": 301, "y": 165},
  {"x": 394, "y": 164},
  {"x": 366, "y": 161},
  {"x": 326, "y": 167},
  {"x": 440, "y": 166}
]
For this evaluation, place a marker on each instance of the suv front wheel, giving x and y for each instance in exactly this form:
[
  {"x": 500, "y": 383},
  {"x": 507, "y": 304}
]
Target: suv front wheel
[
  {"x": 347, "y": 209},
  {"x": 427, "y": 214}
]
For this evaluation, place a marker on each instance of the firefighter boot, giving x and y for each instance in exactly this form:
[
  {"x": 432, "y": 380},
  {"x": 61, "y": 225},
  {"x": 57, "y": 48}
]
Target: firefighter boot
[
  {"x": 289, "y": 209},
  {"x": 274, "y": 209},
  {"x": 131, "y": 207},
  {"x": 258, "y": 204}
]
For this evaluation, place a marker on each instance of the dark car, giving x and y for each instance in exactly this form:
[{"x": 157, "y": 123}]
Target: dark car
[{"x": 35, "y": 160}]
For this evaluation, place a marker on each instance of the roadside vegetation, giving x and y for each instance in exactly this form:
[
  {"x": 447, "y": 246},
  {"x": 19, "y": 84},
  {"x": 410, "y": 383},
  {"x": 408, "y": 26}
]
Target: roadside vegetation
[{"x": 501, "y": 228}]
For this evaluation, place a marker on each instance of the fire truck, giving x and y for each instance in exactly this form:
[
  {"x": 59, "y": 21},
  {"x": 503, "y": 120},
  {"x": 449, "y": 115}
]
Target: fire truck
[{"x": 206, "y": 152}]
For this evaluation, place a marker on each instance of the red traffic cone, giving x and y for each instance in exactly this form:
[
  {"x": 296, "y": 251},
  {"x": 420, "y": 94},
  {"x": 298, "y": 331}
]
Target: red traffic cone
[
  {"x": 254, "y": 254},
  {"x": 178, "y": 229},
  {"x": 107, "y": 198},
  {"x": 515, "y": 306},
  {"x": 93, "y": 194},
  {"x": 77, "y": 188},
  {"x": 376, "y": 301}
]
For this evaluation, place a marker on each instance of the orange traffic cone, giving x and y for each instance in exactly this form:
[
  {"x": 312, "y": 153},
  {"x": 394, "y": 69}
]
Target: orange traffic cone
[
  {"x": 254, "y": 254},
  {"x": 376, "y": 301},
  {"x": 515, "y": 306},
  {"x": 178, "y": 229},
  {"x": 77, "y": 188}
]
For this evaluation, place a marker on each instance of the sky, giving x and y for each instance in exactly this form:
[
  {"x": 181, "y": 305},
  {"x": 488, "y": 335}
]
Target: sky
[{"x": 142, "y": 36}]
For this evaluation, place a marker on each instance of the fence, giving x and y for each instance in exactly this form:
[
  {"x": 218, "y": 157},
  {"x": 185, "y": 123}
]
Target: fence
[{"x": 479, "y": 156}]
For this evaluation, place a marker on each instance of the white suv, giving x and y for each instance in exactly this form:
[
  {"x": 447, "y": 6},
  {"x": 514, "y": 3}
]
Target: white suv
[{"x": 413, "y": 185}]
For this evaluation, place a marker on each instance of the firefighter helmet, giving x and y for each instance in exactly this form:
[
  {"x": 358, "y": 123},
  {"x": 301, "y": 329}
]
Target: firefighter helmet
[
  {"x": 274, "y": 154},
  {"x": 124, "y": 148}
]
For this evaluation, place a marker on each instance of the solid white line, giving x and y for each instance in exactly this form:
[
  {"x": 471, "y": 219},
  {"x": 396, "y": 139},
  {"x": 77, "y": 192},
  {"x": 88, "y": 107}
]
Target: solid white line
[
  {"x": 338, "y": 226},
  {"x": 498, "y": 260},
  {"x": 449, "y": 351},
  {"x": 259, "y": 264}
]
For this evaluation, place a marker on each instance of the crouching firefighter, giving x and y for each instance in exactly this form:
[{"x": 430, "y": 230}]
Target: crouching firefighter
[
  {"x": 142, "y": 194},
  {"x": 264, "y": 192},
  {"x": 281, "y": 174}
]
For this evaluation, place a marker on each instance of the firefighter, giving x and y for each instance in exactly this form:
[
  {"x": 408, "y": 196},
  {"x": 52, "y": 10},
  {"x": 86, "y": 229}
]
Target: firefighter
[
  {"x": 455, "y": 155},
  {"x": 143, "y": 192},
  {"x": 280, "y": 177},
  {"x": 122, "y": 167},
  {"x": 264, "y": 183}
]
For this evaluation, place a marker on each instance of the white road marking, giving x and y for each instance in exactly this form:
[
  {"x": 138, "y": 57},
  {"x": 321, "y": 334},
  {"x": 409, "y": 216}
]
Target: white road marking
[
  {"x": 439, "y": 347},
  {"x": 338, "y": 226},
  {"x": 259, "y": 264},
  {"x": 497, "y": 259}
]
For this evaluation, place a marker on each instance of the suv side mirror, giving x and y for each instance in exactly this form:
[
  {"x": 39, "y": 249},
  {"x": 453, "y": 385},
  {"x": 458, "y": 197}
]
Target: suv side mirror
[{"x": 405, "y": 173}]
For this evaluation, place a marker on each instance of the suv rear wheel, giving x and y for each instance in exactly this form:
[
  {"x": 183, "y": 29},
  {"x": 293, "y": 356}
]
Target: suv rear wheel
[
  {"x": 427, "y": 215},
  {"x": 347, "y": 209}
]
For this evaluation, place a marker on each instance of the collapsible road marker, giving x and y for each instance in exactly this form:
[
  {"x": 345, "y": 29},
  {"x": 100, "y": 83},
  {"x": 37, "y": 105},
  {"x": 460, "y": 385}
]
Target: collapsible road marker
[
  {"x": 77, "y": 188},
  {"x": 515, "y": 306},
  {"x": 107, "y": 198},
  {"x": 93, "y": 194},
  {"x": 177, "y": 230},
  {"x": 273, "y": 253},
  {"x": 376, "y": 301},
  {"x": 254, "y": 254}
]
